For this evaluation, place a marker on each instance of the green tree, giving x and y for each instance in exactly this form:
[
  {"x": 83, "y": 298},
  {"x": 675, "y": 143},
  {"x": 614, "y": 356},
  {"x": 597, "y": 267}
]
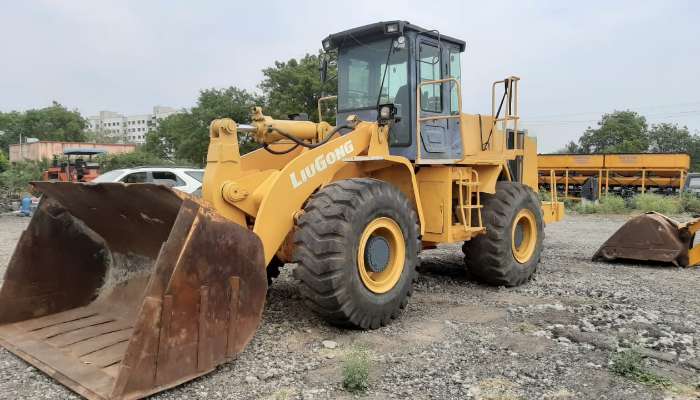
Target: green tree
[
  {"x": 570, "y": 148},
  {"x": 55, "y": 122},
  {"x": 617, "y": 132},
  {"x": 295, "y": 86},
  {"x": 670, "y": 138},
  {"x": 137, "y": 158},
  {"x": 186, "y": 135}
]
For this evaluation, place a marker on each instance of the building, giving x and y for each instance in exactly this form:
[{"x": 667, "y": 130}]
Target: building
[
  {"x": 37, "y": 151},
  {"x": 128, "y": 128}
]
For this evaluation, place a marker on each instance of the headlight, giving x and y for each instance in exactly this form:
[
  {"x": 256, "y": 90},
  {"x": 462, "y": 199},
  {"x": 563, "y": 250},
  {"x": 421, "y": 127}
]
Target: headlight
[
  {"x": 391, "y": 28},
  {"x": 385, "y": 112}
]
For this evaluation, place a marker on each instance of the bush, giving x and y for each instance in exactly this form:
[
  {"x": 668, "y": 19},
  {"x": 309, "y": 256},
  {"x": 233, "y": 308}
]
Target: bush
[
  {"x": 356, "y": 370},
  {"x": 137, "y": 158},
  {"x": 630, "y": 364},
  {"x": 609, "y": 204},
  {"x": 15, "y": 179},
  {"x": 654, "y": 202},
  {"x": 690, "y": 203}
]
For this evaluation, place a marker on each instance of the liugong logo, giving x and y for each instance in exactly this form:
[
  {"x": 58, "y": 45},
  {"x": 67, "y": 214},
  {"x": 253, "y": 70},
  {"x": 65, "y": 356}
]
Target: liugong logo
[{"x": 321, "y": 163}]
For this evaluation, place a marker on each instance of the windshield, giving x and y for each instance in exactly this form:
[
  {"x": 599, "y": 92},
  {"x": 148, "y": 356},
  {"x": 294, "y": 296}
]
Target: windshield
[
  {"x": 198, "y": 175},
  {"x": 361, "y": 69},
  {"x": 110, "y": 176}
]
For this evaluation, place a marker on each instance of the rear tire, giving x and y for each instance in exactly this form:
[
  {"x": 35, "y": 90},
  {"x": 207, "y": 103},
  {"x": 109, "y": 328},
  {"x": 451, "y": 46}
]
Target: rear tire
[
  {"x": 356, "y": 246},
  {"x": 509, "y": 252}
]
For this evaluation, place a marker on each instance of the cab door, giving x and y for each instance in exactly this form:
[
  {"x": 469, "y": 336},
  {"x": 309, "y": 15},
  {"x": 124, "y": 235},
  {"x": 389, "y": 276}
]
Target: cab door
[{"x": 438, "y": 131}]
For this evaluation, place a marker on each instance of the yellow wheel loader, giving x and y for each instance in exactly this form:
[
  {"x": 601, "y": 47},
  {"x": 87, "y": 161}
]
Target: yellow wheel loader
[{"x": 120, "y": 291}]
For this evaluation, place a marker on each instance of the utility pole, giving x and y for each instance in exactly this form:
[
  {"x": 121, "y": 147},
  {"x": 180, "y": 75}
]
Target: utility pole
[{"x": 21, "y": 154}]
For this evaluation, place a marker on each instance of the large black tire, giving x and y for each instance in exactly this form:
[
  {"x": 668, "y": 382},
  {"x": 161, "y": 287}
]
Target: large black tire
[
  {"x": 491, "y": 257},
  {"x": 327, "y": 240}
]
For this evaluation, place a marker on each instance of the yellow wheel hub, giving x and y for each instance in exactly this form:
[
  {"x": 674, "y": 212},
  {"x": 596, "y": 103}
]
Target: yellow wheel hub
[
  {"x": 524, "y": 236},
  {"x": 381, "y": 255}
]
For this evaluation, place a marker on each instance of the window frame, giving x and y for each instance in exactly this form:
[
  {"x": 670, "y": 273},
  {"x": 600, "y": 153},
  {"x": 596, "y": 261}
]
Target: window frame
[{"x": 420, "y": 63}]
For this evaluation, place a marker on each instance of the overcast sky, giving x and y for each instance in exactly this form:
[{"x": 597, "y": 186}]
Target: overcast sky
[{"x": 576, "y": 59}]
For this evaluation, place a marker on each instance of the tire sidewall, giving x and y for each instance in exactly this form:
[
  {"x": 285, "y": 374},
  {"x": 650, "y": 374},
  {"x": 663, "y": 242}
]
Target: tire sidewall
[
  {"x": 382, "y": 204},
  {"x": 521, "y": 272}
]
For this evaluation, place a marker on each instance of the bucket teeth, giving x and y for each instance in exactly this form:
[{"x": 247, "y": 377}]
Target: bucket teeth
[{"x": 121, "y": 291}]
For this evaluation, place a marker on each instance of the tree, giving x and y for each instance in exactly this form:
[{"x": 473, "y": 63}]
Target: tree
[
  {"x": 669, "y": 138},
  {"x": 186, "y": 135},
  {"x": 55, "y": 122},
  {"x": 617, "y": 132},
  {"x": 570, "y": 148},
  {"x": 295, "y": 86}
]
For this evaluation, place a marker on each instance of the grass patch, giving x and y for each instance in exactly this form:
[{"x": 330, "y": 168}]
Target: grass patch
[
  {"x": 654, "y": 202},
  {"x": 630, "y": 364},
  {"x": 356, "y": 370},
  {"x": 690, "y": 203},
  {"x": 606, "y": 205}
]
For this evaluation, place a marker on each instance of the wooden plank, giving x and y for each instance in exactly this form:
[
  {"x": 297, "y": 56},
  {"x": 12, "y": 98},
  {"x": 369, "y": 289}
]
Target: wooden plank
[
  {"x": 107, "y": 356},
  {"x": 89, "y": 332},
  {"x": 99, "y": 342},
  {"x": 58, "y": 318},
  {"x": 71, "y": 326}
]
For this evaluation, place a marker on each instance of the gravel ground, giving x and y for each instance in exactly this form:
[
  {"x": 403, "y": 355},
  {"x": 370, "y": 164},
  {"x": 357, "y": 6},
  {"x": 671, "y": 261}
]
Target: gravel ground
[{"x": 549, "y": 339}]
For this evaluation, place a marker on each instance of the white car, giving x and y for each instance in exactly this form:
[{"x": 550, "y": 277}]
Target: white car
[{"x": 188, "y": 180}]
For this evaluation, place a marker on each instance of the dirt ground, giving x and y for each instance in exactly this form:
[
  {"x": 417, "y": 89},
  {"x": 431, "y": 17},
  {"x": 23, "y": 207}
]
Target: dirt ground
[{"x": 552, "y": 338}]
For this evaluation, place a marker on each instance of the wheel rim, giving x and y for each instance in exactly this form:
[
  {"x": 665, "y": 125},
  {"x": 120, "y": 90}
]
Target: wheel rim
[
  {"x": 524, "y": 236},
  {"x": 381, "y": 255}
]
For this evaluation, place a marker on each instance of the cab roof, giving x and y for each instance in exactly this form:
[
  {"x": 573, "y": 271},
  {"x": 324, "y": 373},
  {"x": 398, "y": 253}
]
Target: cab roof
[{"x": 378, "y": 28}]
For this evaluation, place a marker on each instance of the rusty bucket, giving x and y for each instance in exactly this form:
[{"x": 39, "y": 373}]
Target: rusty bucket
[
  {"x": 653, "y": 237},
  {"x": 121, "y": 291}
]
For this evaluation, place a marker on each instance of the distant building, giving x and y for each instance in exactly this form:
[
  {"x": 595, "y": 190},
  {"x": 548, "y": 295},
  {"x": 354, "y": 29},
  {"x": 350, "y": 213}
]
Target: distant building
[
  {"x": 37, "y": 151},
  {"x": 128, "y": 128}
]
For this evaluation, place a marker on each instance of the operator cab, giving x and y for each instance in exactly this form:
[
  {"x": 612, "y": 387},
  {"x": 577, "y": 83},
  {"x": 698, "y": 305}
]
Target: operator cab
[{"x": 414, "y": 56}]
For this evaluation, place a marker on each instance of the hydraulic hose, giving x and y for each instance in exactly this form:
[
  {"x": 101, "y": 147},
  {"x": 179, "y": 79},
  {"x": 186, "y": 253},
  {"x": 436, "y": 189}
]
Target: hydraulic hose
[{"x": 310, "y": 145}]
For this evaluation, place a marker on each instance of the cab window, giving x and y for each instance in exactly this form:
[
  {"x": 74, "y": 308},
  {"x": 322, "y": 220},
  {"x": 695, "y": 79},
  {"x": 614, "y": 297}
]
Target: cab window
[
  {"x": 455, "y": 72},
  {"x": 431, "y": 94},
  {"x": 136, "y": 177},
  {"x": 167, "y": 178}
]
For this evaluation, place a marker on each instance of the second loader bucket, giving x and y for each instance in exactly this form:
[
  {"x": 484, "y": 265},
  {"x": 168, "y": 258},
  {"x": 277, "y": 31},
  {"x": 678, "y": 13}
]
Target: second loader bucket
[
  {"x": 653, "y": 237},
  {"x": 120, "y": 291}
]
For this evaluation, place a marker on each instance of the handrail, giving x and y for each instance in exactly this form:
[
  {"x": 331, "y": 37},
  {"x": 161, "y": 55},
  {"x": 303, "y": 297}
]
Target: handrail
[
  {"x": 508, "y": 114},
  {"x": 420, "y": 119}
]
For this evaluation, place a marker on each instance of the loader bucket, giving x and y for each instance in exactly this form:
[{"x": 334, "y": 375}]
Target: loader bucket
[
  {"x": 653, "y": 237},
  {"x": 120, "y": 291}
]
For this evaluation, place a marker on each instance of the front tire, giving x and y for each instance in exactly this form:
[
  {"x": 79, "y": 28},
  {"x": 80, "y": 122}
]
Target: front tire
[
  {"x": 509, "y": 252},
  {"x": 357, "y": 249}
]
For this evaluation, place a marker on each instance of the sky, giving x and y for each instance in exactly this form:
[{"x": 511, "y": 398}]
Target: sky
[{"x": 577, "y": 60}]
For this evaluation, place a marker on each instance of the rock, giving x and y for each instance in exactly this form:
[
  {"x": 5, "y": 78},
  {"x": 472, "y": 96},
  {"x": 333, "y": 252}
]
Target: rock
[
  {"x": 693, "y": 363},
  {"x": 329, "y": 344},
  {"x": 658, "y": 355},
  {"x": 596, "y": 339},
  {"x": 250, "y": 379}
]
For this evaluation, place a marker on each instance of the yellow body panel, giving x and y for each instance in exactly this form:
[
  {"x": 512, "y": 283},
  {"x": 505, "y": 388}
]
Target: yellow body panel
[{"x": 266, "y": 192}]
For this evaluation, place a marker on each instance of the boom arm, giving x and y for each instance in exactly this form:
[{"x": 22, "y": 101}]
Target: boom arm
[{"x": 268, "y": 199}]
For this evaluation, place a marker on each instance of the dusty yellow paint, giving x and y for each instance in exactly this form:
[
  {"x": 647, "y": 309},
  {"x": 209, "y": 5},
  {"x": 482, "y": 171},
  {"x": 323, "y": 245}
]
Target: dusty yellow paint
[{"x": 265, "y": 192}]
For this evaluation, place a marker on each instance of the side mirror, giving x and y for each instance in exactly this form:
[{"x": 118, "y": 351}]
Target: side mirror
[{"x": 323, "y": 68}]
